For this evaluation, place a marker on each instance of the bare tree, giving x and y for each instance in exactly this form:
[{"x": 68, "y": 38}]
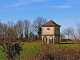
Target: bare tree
[
  {"x": 62, "y": 36},
  {"x": 10, "y": 24},
  {"x": 7, "y": 41},
  {"x": 67, "y": 32},
  {"x": 19, "y": 28},
  {"x": 26, "y": 28},
  {"x": 72, "y": 33},
  {"x": 37, "y": 25},
  {"x": 31, "y": 36},
  {"x": 78, "y": 30}
]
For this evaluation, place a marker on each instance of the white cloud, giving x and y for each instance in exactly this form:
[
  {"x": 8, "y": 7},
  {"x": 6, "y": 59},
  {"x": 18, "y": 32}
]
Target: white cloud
[
  {"x": 60, "y": 7},
  {"x": 23, "y": 2}
]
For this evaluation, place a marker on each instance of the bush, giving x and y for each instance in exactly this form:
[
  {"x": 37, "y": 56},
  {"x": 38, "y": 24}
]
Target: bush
[
  {"x": 63, "y": 53},
  {"x": 47, "y": 53}
]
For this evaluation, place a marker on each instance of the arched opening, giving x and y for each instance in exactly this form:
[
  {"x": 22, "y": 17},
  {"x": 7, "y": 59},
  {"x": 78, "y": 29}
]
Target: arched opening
[
  {"x": 50, "y": 39},
  {"x": 44, "y": 39}
]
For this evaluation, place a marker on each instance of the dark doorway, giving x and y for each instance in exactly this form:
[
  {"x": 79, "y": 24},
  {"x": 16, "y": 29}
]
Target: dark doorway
[
  {"x": 44, "y": 39},
  {"x": 51, "y": 39}
]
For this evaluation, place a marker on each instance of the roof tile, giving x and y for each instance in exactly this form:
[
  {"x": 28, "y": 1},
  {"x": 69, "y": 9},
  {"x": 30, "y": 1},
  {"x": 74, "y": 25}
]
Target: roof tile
[{"x": 50, "y": 24}]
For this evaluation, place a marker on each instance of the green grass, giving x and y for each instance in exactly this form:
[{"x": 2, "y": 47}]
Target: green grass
[
  {"x": 57, "y": 46},
  {"x": 67, "y": 42},
  {"x": 31, "y": 48},
  {"x": 2, "y": 54}
]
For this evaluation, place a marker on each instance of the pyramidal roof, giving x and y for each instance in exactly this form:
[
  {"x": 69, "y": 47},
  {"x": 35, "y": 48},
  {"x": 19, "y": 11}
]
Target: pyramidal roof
[{"x": 50, "y": 24}]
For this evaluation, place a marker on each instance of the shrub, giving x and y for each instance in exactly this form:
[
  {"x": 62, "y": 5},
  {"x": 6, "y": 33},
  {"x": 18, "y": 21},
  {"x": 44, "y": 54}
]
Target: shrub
[{"x": 63, "y": 53}]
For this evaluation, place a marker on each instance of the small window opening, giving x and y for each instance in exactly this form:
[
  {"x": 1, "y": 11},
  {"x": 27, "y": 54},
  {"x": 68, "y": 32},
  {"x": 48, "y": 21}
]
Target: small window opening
[
  {"x": 48, "y": 29},
  {"x": 57, "y": 28}
]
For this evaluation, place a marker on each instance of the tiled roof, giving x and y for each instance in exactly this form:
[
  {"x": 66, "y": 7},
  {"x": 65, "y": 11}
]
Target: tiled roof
[{"x": 50, "y": 24}]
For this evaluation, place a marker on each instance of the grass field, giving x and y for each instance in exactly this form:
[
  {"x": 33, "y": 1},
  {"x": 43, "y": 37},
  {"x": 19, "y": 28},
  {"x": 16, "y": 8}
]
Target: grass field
[
  {"x": 2, "y": 54},
  {"x": 31, "y": 48}
]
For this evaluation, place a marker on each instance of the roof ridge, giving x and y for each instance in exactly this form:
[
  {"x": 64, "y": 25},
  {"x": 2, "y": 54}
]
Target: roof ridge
[{"x": 50, "y": 23}]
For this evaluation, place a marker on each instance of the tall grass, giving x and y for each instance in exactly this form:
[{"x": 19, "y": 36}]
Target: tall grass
[{"x": 36, "y": 49}]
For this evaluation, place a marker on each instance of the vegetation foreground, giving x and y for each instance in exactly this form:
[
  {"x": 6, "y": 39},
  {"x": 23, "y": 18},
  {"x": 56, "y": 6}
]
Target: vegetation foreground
[{"x": 37, "y": 51}]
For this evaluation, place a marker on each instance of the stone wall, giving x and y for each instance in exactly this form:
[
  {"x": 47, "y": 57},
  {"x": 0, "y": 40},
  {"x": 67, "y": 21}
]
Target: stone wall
[
  {"x": 50, "y": 31},
  {"x": 47, "y": 30}
]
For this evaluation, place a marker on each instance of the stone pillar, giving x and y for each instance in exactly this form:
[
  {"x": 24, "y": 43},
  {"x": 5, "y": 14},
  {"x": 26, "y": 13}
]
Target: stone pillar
[
  {"x": 42, "y": 40},
  {"x": 47, "y": 39},
  {"x": 53, "y": 39}
]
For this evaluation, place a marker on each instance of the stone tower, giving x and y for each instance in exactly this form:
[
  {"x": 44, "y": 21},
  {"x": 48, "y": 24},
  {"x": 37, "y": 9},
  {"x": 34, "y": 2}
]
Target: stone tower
[{"x": 50, "y": 32}]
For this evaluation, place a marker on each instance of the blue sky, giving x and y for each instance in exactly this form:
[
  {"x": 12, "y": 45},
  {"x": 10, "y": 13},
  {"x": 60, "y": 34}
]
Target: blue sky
[{"x": 64, "y": 12}]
